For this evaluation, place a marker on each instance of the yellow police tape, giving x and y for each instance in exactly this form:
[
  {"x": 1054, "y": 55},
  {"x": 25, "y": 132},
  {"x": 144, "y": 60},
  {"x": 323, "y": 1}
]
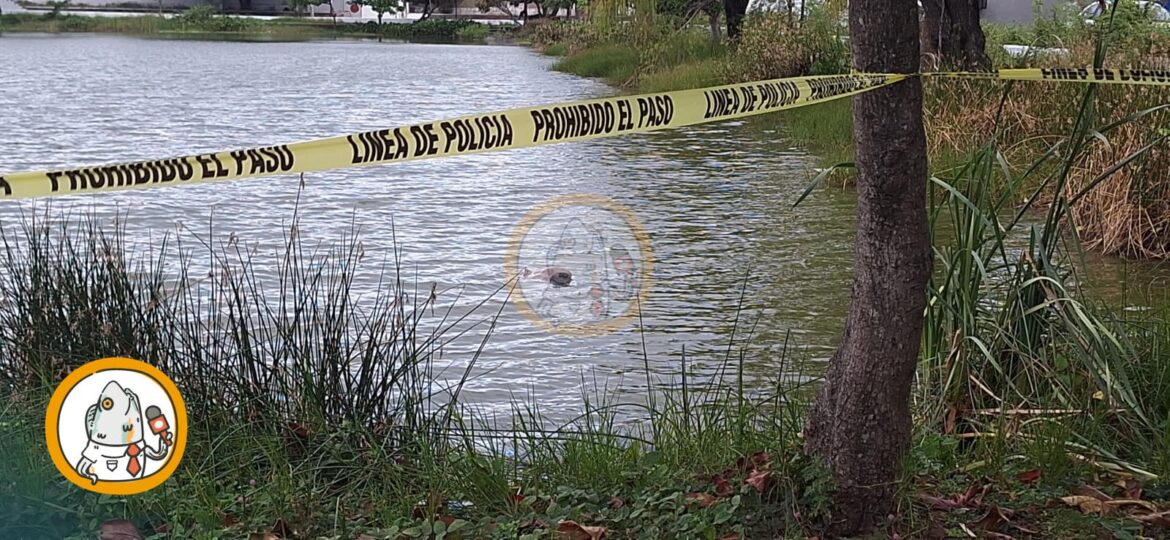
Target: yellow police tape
[
  {"x": 504, "y": 130},
  {"x": 1146, "y": 77}
]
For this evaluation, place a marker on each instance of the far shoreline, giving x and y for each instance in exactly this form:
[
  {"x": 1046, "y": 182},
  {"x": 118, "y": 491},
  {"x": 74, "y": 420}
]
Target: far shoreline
[{"x": 198, "y": 24}]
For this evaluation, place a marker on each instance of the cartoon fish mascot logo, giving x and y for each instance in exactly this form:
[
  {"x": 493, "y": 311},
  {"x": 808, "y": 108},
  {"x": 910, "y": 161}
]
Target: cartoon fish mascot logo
[
  {"x": 117, "y": 448},
  {"x": 110, "y": 424}
]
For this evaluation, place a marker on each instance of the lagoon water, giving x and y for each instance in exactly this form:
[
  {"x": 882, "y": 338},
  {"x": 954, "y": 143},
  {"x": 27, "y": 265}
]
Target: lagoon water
[{"x": 716, "y": 200}]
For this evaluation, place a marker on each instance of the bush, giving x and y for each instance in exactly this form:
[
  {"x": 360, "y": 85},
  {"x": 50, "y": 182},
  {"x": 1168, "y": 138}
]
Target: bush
[
  {"x": 545, "y": 33},
  {"x": 204, "y": 18},
  {"x": 772, "y": 46},
  {"x": 475, "y": 33}
]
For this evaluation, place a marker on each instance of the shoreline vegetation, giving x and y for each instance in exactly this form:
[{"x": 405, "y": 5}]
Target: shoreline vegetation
[
  {"x": 1126, "y": 216},
  {"x": 205, "y": 21},
  {"x": 1038, "y": 411}
]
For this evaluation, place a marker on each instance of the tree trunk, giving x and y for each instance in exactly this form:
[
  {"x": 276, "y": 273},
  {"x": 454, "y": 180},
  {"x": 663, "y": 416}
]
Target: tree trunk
[
  {"x": 952, "y": 36},
  {"x": 379, "y": 27},
  {"x": 735, "y": 11},
  {"x": 860, "y": 424},
  {"x": 716, "y": 29}
]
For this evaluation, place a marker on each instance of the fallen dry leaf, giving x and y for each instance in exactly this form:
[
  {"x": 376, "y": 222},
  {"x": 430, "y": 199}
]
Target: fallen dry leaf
[
  {"x": 723, "y": 488},
  {"x": 1118, "y": 503},
  {"x": 758, "y": 460},
  {"x": 703, "y": 499},
  {"x": 298, "y": 430},
  {"x": 995, "y": 518},
  {"x": 937, "y": 503},
  {"x": 952, "y": 417},
  {"x": 263, "y": 536},
  {"x": 118, "y": 529},
  {"x": 364, "y": 536},
  {"x": 760, "y": 480},
  {"x": 1131, "y": 488},
  {"x": 974, "y": 495},
  {"x": 1088, "y": 505},
  {"x": 1090, "y": 491},
  {"x": 730, "y": 536},
  {"x": 1029, "y": 477},
  {"x": 936, "y": 531},
  {"x": 575, "y": 531},
  {"x": 533, "y": 525},
  {"x": 616, "y": 503},
  {"x": 1161, "y": 519}
]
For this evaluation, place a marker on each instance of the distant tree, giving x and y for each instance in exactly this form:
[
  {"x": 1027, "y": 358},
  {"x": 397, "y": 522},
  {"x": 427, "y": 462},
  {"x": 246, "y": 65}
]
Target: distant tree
[
  {"x": 552, "y": 8},
  {"x": 514, "y": 10},
  {"x": 952, "y": 35},
  {"x": 299, "y": 6},
  {"x": 381, "y": 7},
  {"x": 684, "y": 11},
  {"x": 430, "y": 6},
  {"x": 735, "y": 10},
  {"x": 713, "y": 10}
]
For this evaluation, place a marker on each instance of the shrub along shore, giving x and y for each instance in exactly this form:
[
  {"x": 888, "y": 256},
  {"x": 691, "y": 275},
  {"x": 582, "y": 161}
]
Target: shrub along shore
[
  {"x": 1127, "y": 214},
  {"x": 205, "y": 21},
  {"x": 1038, "y": 411}
]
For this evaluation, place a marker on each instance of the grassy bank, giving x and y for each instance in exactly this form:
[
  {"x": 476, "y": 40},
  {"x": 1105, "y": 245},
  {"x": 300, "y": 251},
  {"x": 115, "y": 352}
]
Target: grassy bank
[
  {"x": 1126, "y": 216},
  {"x": 319, "y": 414},
  {"x": 203, "y": 20}
]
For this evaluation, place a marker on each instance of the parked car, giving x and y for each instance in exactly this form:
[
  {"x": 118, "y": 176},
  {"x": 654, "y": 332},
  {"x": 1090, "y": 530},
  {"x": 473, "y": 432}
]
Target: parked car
[{"x": 1155, "y": 11}]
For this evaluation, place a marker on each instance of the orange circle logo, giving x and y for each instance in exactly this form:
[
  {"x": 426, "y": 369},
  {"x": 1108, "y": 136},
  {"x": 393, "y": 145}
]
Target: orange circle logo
[{"x": 116, "y": 426}]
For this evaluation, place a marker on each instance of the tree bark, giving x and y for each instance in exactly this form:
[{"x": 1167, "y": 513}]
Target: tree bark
[
  {"x": 734, "y": 10},
  {"x": 952, "y": 36},
  {"x": 713, "y": 22},
  {"x": 860, "y": 423}
]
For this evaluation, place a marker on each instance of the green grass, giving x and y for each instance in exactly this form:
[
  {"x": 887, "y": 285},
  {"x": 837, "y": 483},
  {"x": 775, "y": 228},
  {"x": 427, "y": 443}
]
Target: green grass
[
  {"x": 556, "y": 49},
  {"x": 683, "y": 76},
  {"x": 617, "y": 64},
  {"x": 825, "y": 130}
]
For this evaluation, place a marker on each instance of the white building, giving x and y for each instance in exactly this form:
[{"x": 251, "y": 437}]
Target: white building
[{"x": 1020, "y": 11}]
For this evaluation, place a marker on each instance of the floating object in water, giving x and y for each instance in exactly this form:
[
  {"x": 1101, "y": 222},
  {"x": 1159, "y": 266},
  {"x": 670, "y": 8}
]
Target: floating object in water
[{"x": 555, "y": 275}]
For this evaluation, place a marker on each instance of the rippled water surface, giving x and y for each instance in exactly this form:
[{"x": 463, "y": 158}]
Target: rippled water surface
[{"x": 715, "y": 200}]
